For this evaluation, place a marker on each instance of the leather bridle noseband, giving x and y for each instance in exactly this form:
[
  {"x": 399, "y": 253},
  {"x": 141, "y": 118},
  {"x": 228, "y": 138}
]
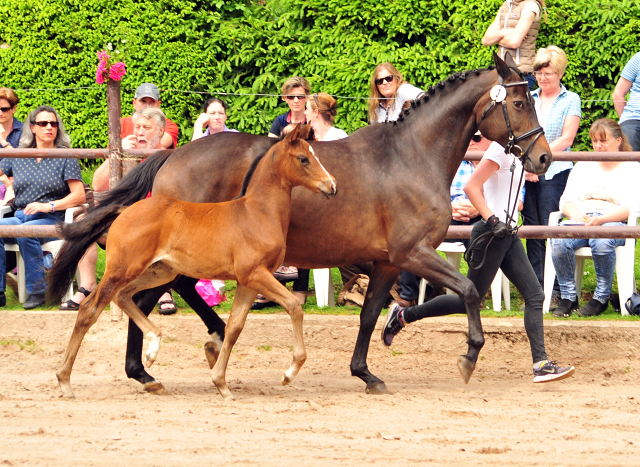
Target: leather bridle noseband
[{"x": 513, "y": 140}]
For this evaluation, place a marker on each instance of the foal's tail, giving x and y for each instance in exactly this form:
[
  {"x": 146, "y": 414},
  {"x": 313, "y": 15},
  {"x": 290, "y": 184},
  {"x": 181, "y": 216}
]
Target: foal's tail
[{"x": 78, "y": 237}]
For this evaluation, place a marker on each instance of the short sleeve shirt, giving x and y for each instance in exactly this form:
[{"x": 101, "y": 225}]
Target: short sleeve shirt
[
  {"x": 40, "y": 182},
  {"x": 566, "y": 103},
  {"x": 406, "y": 92},
  {"x": 126, "y": 129},
  {"x": 280, "y": 123},
  {"x": 631, "y": 72},
  {"x": 502, "y": 187},
  {"x": 13, "y": 138}
]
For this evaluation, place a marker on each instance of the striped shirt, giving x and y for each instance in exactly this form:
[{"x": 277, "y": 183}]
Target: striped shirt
[
  {"x": 565, "y": 104},
  {"x": 631, "y": 72}
]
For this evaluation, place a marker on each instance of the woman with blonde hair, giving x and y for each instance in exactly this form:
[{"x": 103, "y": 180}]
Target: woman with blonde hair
[
  {"x": 389, "y": 94},
  {"x": 321, "y": 113},
  {"x": 597, "y": 193},
  {"x": 559, "y": 114}
]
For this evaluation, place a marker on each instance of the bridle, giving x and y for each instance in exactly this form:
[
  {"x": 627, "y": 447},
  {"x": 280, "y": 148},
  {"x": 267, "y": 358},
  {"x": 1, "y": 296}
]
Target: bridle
[{"x": 499, "y": 94}]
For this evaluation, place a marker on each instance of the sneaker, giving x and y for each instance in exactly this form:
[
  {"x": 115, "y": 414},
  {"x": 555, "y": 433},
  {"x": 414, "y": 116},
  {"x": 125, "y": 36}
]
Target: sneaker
[
  {"x": 550, "y": 371},
  {"x": 393, "y": 325},
  {"x": 593, "y": 308},
  {"x": 565, "y": 307}
]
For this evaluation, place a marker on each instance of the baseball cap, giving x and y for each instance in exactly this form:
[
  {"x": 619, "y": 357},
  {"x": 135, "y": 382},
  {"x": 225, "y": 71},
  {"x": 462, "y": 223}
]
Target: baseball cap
[{"x": 148, "y": 90}]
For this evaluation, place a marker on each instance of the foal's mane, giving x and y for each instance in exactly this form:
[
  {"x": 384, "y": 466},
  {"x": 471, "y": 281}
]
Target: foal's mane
[{"x": 431, "y": 90}]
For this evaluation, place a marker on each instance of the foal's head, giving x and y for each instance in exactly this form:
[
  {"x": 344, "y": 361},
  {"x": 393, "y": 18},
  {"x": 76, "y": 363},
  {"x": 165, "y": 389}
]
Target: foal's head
[{"x": 299, "y": 164}]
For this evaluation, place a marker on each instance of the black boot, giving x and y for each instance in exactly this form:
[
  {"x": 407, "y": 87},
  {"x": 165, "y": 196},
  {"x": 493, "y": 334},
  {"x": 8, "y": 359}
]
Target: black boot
[{"x": 34, "y": 300}]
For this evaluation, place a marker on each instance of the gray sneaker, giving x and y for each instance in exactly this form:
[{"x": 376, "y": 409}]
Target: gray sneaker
[
  {"x": 393, "y": 325},
  {"x": 551, "y": 371}
]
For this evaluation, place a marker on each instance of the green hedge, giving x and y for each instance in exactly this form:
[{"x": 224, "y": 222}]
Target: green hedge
[{"x": 252, "y": 47}]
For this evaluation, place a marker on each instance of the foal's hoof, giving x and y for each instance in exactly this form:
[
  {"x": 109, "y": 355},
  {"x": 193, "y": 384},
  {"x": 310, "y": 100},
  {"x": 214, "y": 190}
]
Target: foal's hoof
[
  {"x": 377, "y": 389},
  {"x": 286, "y": 379},
  {"x": 211, "y": 352},
  {"x": 155, "y": 387},
  {"x": 466, "y": 367}
]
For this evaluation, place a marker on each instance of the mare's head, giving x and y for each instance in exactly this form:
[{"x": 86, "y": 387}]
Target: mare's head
[
  {"x": 508, "y": 116},
  {"x": 299, "y": 164}
]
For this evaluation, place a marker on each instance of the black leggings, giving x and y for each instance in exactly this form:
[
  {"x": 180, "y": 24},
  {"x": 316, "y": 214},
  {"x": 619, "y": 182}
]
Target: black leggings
[{"x": 507, "y": 254}]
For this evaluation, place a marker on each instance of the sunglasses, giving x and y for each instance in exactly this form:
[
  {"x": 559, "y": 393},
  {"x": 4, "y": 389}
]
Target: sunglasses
[
  {"x": 300, "y": 97},
  {"x": 477, "y": 138},
  {"x": 388, "y": 79},
  {"x": 44, "y": 124},
  {"x": 5, "y": 109}
]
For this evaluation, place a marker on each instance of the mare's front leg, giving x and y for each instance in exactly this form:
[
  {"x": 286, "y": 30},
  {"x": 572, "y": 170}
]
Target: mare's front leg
[
  {"x": 382, "y": 278},
  {"x": 88, "y": 314},
  {"x": 186, "y": 287},
  {"x": 425, "y": 262},
  {"x": 145, "y": 300},
  {"x": 264, "y": 282},
  {"x": 241, "y": 305}
]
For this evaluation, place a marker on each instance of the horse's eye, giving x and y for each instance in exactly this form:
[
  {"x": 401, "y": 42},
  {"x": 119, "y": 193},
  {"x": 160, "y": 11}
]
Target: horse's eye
[
  {"x": 303, "y": 160},
  {"x": 519, "y": 104}
]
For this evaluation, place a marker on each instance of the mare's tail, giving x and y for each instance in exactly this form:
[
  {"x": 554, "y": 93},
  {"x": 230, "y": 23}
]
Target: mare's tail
[
  {"x": 136, "y": 184},
  {"x": 78, "y": 237}
]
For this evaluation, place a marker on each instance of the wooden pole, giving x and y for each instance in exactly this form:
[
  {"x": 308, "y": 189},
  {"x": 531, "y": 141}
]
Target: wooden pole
[{"x": 114, "y": 109}]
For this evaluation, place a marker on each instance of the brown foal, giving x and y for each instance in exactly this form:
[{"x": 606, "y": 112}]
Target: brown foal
[{"x": 155, "y": 240}]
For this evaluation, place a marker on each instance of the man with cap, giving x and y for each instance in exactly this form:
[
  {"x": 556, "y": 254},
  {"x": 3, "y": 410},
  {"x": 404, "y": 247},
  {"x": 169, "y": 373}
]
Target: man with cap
[{"x": 148, "y": 95}]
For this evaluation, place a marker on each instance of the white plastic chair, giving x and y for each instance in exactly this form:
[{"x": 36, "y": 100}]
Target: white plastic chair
[
  {"x": 324, "y": 287},
  {"x": 625, "y": 257},
  {"x": 454, "y": 252},
  {"x": 53, "y": 246}
]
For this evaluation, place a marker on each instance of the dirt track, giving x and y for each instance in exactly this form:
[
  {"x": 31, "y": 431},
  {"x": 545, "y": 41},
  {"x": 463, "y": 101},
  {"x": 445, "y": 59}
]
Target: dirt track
[{"x": 323, "y": 417}]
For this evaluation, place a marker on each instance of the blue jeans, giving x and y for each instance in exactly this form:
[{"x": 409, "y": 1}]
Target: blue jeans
[
  {"x": 631, "y": 129},
  {"x": 29, "y": 249},
  {"x": 541, "y": 199},
  {"x": 604, "y": 262}
]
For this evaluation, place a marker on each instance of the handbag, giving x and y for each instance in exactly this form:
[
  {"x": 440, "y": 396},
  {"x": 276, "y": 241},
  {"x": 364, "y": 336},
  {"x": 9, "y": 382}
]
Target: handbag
[{"x": 633, "y": 304}]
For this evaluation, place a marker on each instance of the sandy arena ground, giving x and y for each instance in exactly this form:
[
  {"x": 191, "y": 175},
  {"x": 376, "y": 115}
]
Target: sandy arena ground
[{"x": 324, "y": 417}]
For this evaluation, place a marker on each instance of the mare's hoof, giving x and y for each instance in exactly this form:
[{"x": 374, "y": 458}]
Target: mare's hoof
[
  {"x": 155, "y": 387},
  {"x": 377, "y": 389},
  {"x": 211, "y": 352},
  {"x": 466, "y": 367}
]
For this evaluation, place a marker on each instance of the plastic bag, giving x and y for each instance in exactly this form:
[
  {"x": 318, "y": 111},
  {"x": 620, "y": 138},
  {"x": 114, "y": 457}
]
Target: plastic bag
[{"x": 211, "y": 291}]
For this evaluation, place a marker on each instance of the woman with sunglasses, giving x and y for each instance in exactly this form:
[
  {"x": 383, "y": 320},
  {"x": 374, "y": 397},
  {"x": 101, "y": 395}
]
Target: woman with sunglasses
[
  {"x": 214, "y": 118},
  {"x": 43, "y": 189},
  {"x": 559, "y": 114},
  {"x": 10, "y": 126},
  {"x": 294, "y": 91},
  {"x": 321, "y": 113},
  {"x": 493, "y": 188},
  {"x": 389, "y": 94}
]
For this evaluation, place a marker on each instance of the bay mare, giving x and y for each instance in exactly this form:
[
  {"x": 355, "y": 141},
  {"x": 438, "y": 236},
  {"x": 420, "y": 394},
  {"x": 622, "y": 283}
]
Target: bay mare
[
  {"x": 394, "y": 207},
  {"x": 157, "y": 239}
]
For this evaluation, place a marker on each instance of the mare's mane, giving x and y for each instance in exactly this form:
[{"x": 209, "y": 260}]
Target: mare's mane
[
  {"x": 431, "y": 90},
  {"x": 249, "y": 175}
]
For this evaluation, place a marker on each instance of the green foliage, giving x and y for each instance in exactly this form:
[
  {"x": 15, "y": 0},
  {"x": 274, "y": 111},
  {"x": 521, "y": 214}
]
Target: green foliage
[{"x": 241, "y": 46}]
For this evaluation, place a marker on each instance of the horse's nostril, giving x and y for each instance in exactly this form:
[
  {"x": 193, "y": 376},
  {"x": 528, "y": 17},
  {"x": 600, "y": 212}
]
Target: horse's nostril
[{"x": 544, "y": 159}]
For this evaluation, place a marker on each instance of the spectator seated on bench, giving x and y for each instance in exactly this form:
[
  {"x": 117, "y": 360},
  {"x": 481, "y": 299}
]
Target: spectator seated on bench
[
  {"x": 43, "y": 190},
  {"x": 597, "y": 193}
]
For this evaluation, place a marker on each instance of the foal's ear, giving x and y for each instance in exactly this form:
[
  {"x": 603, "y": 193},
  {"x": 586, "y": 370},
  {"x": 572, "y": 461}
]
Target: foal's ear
[
  {"x": 501, "y": 66},
  {"x": 304, "y": 131},
  {"x": 293, "y": 134}
]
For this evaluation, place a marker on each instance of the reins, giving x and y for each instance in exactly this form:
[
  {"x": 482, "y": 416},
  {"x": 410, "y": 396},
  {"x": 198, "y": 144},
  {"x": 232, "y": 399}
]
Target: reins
[{"x": 499, "y": 94}]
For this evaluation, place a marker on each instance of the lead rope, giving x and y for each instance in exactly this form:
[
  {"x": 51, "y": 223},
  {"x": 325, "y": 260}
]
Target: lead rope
[{"x": 468, "y": 254}]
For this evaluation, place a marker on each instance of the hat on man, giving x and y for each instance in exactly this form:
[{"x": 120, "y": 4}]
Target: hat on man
[{"x": 148, "y": 90}]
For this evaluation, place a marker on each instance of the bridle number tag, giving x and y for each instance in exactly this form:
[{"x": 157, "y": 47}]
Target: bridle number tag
[{"x": 498, "y": 93}]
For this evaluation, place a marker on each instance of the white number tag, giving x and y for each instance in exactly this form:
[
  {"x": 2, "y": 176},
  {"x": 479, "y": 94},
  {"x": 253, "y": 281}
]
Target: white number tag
[{"x": 498, "y": 93}]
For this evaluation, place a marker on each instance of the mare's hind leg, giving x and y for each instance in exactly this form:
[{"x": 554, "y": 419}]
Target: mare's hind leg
[
  {"x": 88, "y": 314},
  {"x": 382, "y": 278},
  {"x": 264, "y": 282},
  {"x": 241, "y": 306},
  {"x": 186, "y": 287},
  {"x": 425, "y": 262}
]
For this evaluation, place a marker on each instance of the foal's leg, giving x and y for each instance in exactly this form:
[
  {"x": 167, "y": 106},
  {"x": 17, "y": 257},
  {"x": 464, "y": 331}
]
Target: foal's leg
[
  {"x": 241, "y": 306},
  {"x": 383, "y": 275},
  {"x": 425, "y": 262},
  {"x": 186, "y": 287},
  {"x": 88, "y": 314},
  {"x": 264, "y": 282}
]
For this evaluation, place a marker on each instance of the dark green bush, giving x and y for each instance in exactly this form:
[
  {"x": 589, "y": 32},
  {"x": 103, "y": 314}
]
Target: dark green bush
[{"x": 246, "y": 47}]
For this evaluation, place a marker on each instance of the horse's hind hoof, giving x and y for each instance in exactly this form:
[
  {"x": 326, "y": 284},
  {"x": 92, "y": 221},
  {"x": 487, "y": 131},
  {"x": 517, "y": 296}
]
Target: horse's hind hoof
[
  {"x": 466, "y": 367},
  {"x": 155, "y": 387},
  {"x": 211, "y": 352},
  {"x": 377, "y": 389}
]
